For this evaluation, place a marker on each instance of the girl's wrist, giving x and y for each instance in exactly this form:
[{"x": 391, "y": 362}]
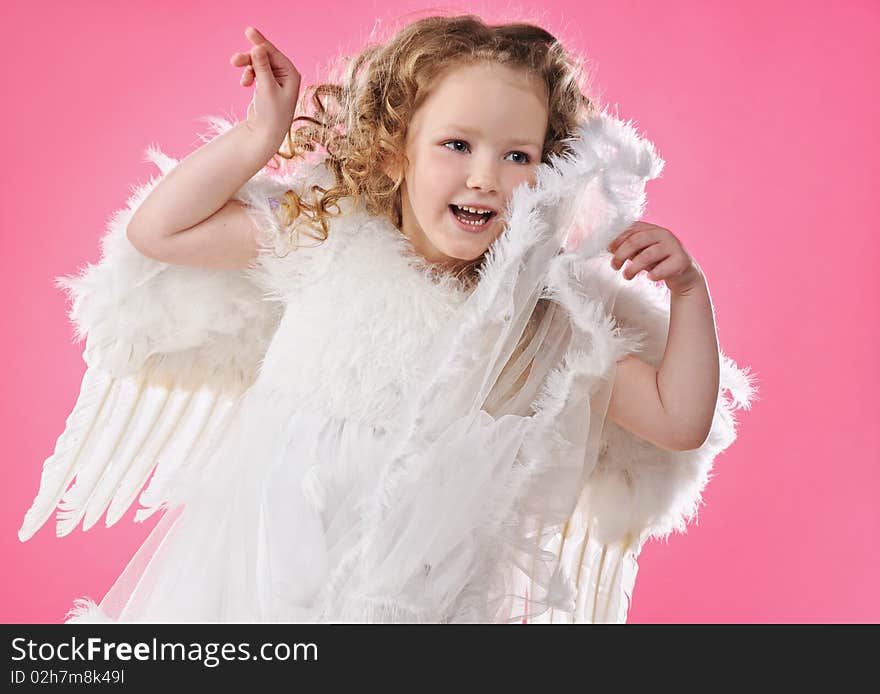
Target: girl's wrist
[
  {"x": 690, "y": 281},
  {"x": 265, "y": 142}
]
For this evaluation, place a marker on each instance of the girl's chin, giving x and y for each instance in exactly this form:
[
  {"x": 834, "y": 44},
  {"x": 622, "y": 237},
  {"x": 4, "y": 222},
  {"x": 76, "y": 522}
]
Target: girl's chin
[{"x": 457, "y": 249}]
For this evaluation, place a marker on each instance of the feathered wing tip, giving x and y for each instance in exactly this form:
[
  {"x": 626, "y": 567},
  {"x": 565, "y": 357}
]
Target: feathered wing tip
[
  {"x": 86, "y": 611},
  {"x": 162, "y": 373},
  {"x": 740, "y": 384},
  {"x": 639, "y": 492},
  {"x": 645, "y": 492},
  {"x": 600, "y": 182}
]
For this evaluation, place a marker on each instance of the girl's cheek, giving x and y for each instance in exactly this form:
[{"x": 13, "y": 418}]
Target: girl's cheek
[
  {"x": 530, "y": 176},
  {"x": 446, "y": 168},
  {"x": 445, "y": 159}
]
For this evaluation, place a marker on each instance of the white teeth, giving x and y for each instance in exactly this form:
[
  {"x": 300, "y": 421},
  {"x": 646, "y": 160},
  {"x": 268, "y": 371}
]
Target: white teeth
[
  {"x": 478, "y": 223},
  {"x": 473, "y": 209}
]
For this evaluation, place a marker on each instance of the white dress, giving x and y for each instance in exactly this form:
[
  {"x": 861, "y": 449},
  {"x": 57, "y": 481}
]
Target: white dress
[{"x": 328, "y": 435}]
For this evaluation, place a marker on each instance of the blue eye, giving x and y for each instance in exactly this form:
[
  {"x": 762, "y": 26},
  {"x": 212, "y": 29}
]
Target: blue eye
[
  {"x": 453, "y": 142},
  {"x": 526, "y": 159}
]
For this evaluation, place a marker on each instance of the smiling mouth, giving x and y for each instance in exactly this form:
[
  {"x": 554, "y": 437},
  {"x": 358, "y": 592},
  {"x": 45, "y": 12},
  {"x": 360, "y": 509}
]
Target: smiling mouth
[{"x": 475, "y": 219}]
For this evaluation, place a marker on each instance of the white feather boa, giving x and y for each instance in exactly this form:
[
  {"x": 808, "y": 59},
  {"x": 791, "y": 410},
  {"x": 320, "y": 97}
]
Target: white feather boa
[{"x": 170, "y": 332}]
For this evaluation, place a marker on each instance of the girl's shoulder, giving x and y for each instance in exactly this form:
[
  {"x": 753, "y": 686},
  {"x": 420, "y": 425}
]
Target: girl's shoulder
[{"x": 296, "y": 245}]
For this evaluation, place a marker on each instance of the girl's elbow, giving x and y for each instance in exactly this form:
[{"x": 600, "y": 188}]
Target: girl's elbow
[
  {"x": 690, "y": 439},
  {"x": 140, "y": 242},
  {"x": 135, "y": 239}
]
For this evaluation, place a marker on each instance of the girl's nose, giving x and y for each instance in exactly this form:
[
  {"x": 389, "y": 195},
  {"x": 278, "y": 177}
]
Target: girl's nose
[
  {"x": 483, "y": 177},
  {"x": 481, "y": 184}
]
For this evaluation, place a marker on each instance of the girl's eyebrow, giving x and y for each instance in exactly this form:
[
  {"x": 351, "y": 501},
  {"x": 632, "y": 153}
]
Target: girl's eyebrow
[{"x": 521, "y": 141}]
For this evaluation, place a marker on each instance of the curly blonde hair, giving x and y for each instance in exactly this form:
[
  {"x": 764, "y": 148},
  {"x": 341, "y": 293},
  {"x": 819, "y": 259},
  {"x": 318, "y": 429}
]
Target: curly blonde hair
[{"x": 364, "y": 131}]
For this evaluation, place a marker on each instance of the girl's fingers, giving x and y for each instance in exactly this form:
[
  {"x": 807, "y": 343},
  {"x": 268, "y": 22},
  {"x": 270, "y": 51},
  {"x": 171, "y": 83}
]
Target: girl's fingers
[
  {"x": 634, "y": 242},
  {"x": 247, "y": 76},
  {"x": 615, "y": 244},
  {"x": 257, "y": 38},
  {"x": 261, "y": 63},
  {"x": 624, "y": 235},
  {"x": 650, "y": 268},
  {"x": 647, "y": 257},
  {"x": 276, "y": 57},
  {"x": 627, "y": 249},
  {"x": 663, "y": 269}
]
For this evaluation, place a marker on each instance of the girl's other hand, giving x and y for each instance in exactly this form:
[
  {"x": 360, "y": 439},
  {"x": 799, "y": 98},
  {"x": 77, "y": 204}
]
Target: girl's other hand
[
  {"x": 656, "y": 250},
  {"x": 273, "y": 106}
]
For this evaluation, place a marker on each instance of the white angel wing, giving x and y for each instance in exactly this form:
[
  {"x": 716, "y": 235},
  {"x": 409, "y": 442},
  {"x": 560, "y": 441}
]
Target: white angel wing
[
  {"x": 636, "y": 492},
  {"x": 170, "y": 351},
  {"x": 598, "y": 578},
  {"x": 121, "y": 431}
]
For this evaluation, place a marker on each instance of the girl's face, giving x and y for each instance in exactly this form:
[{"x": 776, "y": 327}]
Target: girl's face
[{"x": 477, "y": 136}]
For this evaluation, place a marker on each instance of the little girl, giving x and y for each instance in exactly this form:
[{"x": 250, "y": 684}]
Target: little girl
[{"x": 399, "y": 381}]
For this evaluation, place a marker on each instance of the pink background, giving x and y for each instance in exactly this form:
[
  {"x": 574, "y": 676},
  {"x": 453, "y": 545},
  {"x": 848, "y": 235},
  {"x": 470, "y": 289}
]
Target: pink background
[{"x": 765, "y": 117}]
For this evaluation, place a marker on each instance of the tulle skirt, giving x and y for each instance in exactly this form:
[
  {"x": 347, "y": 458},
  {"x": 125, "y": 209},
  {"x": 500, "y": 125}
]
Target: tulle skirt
[
  {"x": 252, "y": 533},
  {"x": 295, "y": 515}
]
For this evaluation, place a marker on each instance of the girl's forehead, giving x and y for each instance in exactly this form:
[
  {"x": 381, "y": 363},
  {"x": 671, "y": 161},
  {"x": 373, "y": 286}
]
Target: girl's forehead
[
  {"x": 487, "y": 96},
  {"x": 484, "y": 74},
  {"x": 481, "y": 85}
]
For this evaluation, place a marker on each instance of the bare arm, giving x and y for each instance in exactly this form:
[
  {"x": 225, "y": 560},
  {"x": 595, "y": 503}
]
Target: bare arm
[
  {"x": 672, "y": 406},
  {"x": 225, "y": 240},
  {"x": 188, "y": 218}
]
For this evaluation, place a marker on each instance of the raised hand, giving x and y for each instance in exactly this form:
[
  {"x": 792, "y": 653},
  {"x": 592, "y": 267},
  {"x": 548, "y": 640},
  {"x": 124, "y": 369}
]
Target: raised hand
[
  {"x": 655, "y": 249},
  {"x": 273, "y": 105}
]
